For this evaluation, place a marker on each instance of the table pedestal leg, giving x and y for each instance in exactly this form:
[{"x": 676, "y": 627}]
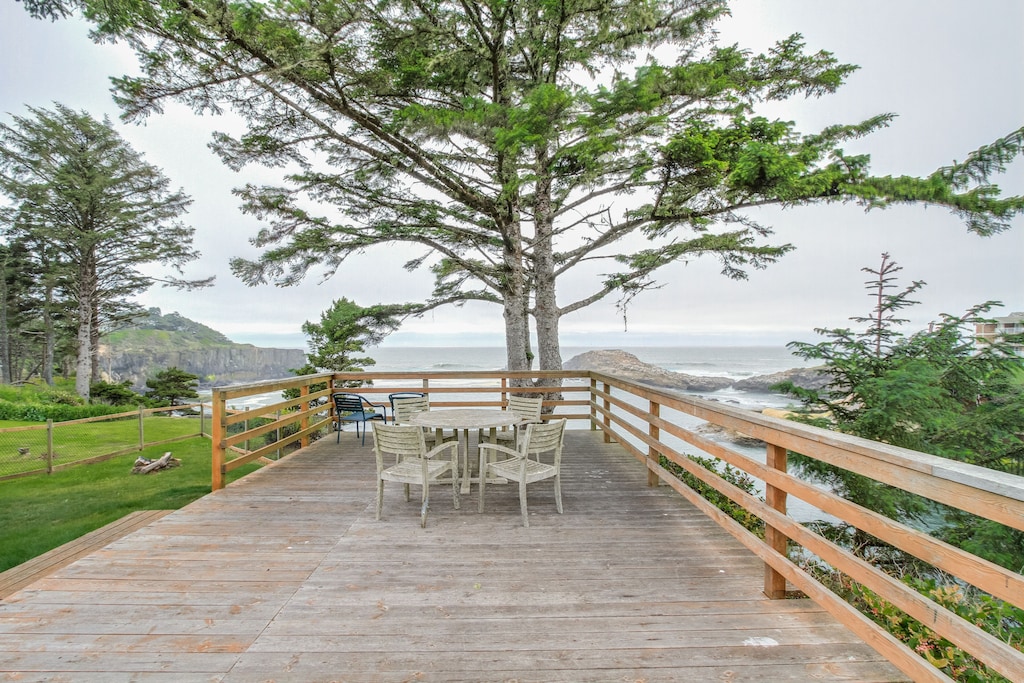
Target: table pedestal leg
[
  {"x": 467, "y": 467},
  {"x": 467, "y": 471}
]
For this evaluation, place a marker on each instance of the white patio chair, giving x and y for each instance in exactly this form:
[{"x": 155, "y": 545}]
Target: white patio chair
[
  {"x": 518, "y": 467},
  {"x": 527, "y": 410},
  {"x": 414, "y": 464},
  {"x": 404, "y": 407}
]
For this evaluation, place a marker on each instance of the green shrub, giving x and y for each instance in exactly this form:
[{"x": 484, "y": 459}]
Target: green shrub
[
  {"x": 999, "y": 618},
  {"x": 41, "y": 412},
  {"x": 119, "y": 394},
  {"x": 62, "y": 398},
  {"x": 734, "y": 476}
]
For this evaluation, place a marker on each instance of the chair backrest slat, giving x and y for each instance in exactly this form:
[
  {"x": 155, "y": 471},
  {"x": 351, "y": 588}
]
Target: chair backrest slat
[
  {"x": 402, "y": 394},
  {"x": 401, "y": 440},
  {"x": 404, "y": 408},
  {"x": 542, "y": 438},
  {"x": 525, "y": 408},
  {"x": 348, "y": 403}
]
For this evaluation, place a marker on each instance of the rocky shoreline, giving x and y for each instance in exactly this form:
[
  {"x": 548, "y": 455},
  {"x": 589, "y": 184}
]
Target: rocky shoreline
[{"x": 624, "y": 364}]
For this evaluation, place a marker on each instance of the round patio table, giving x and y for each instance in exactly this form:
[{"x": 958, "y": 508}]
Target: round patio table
[{"x": 462, "y": 420}]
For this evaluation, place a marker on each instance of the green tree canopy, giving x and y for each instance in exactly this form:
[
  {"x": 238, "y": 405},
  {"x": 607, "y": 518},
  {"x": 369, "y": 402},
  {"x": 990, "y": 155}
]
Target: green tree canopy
[
  {"x": 934, "y": 390},
  {"x": 345, "y": 329},
  {"x": 172, "y": 386},
  {"x": 22, "y": 310},
  {"x": 94, "y": 213},
  {"x": 514, "y": 140}
]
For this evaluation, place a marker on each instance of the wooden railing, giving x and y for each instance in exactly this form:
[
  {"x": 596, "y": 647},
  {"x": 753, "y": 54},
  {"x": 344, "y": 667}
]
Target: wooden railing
[
  {"x": 292, "y": 422},
  {"x": 651, "y": 424}
]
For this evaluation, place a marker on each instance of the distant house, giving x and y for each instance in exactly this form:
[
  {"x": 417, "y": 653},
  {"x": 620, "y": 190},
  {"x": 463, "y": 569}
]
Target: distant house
[{"x": 1001, "y": 328}]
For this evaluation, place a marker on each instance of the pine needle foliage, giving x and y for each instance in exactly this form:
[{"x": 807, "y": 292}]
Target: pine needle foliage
[{"x": 514, "y": 142}]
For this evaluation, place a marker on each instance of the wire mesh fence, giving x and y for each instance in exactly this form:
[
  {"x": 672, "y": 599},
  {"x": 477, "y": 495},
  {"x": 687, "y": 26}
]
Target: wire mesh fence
[{"x": 38, "y": 449}]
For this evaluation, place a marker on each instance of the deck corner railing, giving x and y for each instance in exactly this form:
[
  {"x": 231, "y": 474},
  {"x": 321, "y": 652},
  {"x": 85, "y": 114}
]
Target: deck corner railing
[{"x": 651, "y": 424}]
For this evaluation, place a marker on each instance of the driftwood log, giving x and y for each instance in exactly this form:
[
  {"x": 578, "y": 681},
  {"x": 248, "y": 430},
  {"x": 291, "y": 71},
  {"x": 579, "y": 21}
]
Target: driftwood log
[{"x": 145, "y": 466}]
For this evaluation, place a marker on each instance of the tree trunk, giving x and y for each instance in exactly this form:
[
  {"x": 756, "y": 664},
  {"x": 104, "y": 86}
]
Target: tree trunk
[
  {"x": 516, "y": 302},
  {"x": 94, "y": 343},
  {"x": 546, "y": 310},
  {"x": 517, "y": 334},
  {"x": 83, "y": 366},
  {"x": 5, "y": 333},
  {"x": 86, "y": 290},
  {"x": 49, "y": 336}
]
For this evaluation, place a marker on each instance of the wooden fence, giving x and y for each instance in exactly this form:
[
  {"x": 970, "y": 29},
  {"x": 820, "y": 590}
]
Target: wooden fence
[
  {"x": 650, "y": 424},
  {"x": 59, "y": 446}
]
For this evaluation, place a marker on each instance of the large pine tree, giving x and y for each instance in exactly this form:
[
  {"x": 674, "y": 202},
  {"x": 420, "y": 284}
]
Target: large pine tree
[
  {"x": 96, "y": 211},
  {"x": 514, "y": 140}
]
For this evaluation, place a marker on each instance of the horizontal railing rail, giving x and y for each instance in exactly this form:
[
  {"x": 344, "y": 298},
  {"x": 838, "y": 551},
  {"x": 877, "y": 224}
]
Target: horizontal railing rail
[
  {"x": 651, "y": 424},
  {"x": 642, "y": 418},
  {"x": 283, "y": 424}
]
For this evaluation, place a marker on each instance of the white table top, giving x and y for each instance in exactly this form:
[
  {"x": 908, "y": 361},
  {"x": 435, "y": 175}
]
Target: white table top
[{"x": 464, "y": 418}]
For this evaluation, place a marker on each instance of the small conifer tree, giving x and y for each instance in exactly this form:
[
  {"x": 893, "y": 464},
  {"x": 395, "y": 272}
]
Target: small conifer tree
[{"x": 173, "y": 387}]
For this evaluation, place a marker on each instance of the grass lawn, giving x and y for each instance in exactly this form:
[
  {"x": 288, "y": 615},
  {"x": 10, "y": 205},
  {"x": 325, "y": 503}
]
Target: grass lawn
[
  {"x": 39, "y": 513},
  {"x": 77, "y": 441}
]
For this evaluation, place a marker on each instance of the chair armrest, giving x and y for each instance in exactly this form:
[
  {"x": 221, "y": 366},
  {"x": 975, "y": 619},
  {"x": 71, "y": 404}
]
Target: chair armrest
[
  {"x": 383, "y": 408},
  {"x": 454, "y": 445},
  {"x": 500, "y": 448}
]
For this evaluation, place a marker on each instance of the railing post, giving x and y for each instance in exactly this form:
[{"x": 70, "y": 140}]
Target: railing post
[
  {"x": 202, "y": 419},
  {"x": 607, "y": 418},
  {"x": 217, "y": 432},
  {"x": 654, "y": 431},
  {"x": 142, "y": 428},
  {"x": 774, "y": 582},
  {"x": 304, "y": 422},
  {"x": 49, "y": 446},
  {"x": 593, "y": 405},
  {"x": 330, "y": 407}
]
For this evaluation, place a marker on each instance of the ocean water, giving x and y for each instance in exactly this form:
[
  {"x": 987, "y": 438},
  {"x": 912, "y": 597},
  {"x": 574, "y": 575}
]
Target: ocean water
[{"x": 734, "y": 362}]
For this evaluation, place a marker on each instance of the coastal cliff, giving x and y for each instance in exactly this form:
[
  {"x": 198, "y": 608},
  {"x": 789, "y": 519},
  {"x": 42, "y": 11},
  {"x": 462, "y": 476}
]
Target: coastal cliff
[
  {"x": 218, "y": 365},
  {"x": 160, "y": 341},
  {"x": 623, "y": 364}
]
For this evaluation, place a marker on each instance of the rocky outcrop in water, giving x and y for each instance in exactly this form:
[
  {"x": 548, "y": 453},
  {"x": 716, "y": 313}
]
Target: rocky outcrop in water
[
  {"x": 806, "y": 378},
  {"x": 623, "y": 364}
]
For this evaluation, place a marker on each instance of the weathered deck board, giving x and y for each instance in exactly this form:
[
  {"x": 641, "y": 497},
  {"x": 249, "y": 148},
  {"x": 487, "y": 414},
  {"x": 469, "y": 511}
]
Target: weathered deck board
[
  {"x": 22, "y": 575},
  {"x": 286, "y": 576}
]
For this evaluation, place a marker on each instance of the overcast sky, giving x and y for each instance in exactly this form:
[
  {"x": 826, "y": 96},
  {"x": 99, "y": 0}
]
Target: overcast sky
[{"x": 951, "y": 70}]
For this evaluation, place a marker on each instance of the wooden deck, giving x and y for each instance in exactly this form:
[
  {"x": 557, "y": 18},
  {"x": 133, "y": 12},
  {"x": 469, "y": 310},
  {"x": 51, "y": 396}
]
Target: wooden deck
[
  {"x": 286, "y": 576},
  {"x": 18, "y": 577}
]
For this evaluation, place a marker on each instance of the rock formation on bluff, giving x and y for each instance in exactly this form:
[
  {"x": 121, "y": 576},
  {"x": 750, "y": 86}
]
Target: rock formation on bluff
[{"x": 627, "y": 365}]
